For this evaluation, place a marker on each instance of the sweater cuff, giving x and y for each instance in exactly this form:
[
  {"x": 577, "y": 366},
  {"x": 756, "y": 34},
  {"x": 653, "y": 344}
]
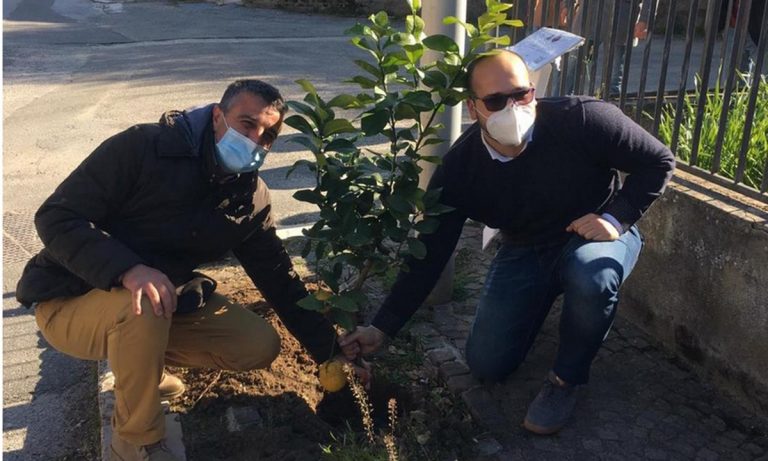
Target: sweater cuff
[
  {"x": 388, "y": 322},
  {"x": 623, "y": 212}
]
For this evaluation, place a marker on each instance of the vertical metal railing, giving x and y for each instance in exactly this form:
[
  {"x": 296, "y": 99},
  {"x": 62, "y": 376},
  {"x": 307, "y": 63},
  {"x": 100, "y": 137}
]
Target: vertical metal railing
[
  {"x": 657, "y": 82},
  {"x": 713, "y": 12}
]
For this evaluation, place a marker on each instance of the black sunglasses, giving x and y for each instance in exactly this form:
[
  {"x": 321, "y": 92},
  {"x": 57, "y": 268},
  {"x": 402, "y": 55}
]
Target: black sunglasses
[{"x": 496, "y": 102}]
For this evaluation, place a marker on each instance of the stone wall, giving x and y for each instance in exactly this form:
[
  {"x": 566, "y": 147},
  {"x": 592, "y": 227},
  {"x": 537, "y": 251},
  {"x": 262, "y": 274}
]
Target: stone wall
[{"x": 701, "y": 285}]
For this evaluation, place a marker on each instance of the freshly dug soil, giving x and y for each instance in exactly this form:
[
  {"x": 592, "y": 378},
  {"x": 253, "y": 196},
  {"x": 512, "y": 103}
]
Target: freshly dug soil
[{"x": 283, "y": 414}]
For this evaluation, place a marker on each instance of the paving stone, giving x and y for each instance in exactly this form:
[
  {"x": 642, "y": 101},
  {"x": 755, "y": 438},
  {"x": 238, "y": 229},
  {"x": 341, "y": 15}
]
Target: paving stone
[
  {"x": 487, "y": 446},
  {"x": 436, "y": 342},
  {"x": 453, "y": 368},
  {"x": 609, "y": 415},
  {"x": 705, "y": 454},
  {"x": 683, "y": 447},
  {"x": 593, "y": 445},
  {"x": 638, "y": 433},
  {"x": 444, "y": 354},
  {"x": 645, "y": 422},
  {"x": 453, "y": 332},
  {"x": 655, "y": 454},
  {"x": 466, "y": 308},
  {"x": 422, "y": 330},
  {"x": 483, "y": 408},
  {"x": 459, "y": 384},
  {"x": 442, "y": 311},
  {"x": 752, "y": 448},
  {"x": 724, "y": 441},
  {"x": 607, "y": 434},
  {"x": 641, "y": 404},
  {"x": 547, "y": 444},
  {"x": 715, "y": 423},
  {"x": 736, "y": 436}
]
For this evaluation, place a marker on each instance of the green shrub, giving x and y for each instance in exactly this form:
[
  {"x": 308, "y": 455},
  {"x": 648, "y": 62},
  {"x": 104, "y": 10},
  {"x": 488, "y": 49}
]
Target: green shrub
[
  {"x": 370, "y": 202},
  {"x": 757, "y": 152}
]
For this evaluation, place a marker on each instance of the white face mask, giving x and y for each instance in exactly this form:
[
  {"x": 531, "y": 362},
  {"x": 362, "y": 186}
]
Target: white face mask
[{"x": 513, "y": 125}]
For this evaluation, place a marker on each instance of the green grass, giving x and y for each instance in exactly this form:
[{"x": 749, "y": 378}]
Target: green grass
[
  {"x": 352, "y": 446},
  {"x": 757, "y": 152}
]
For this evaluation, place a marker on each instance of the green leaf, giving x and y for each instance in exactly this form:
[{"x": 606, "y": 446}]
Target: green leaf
[
  {"x": 373, "y": 123},
  {"x": 427, "y": 225},
  {"x": 414, "y": 52},
  {"x": 368, "y": 67},
  {"x": 345, "y": 101},
  {"x": 399, "y": 203},
  {"x": 307, "y": 86},
  {"x": 338, "y": 126},
  {"x": 416, "y": 248},
  {"x": 313, "y": 143},
  {"x": 438, "y": 209},
  {"x": 442, "y": 43},
  {"x": 344, "y": 303},
  {"x": 415, "y": 5},
  {"x": 301, "y": 124},
  {"x": 346, "y": 320},
  {"x": 420, "y": 100},
  {"x": 435, "y": 159},
  {"x": 305, "y": 110},
  {"x": 309, "y": 196},
  {"x": 435, "y": 79},
  {"x": 392, "y": 60},
  {"x": 311, "y": 303},
  {"x": 471, "y": 29},
  {"x": 363, "y": 82},
  {"x": 341, "y": 145},
  {"x": 414, "y": 24},
  {"x": 311, "y": 165},
  {"x": 306, "y": 249},
  {"x": 405, "y": 112}
]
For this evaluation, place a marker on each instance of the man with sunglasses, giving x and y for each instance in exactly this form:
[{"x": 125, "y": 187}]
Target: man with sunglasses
[
  {"x": 123, "y": 235},
  {"x": 545, "y": 172}
]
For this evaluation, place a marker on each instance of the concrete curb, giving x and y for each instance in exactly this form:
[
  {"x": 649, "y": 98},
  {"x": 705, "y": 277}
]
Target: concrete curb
[{"x": 173, "y": 431}]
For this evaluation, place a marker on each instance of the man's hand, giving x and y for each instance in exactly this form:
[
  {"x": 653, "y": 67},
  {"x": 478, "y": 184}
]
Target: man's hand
[
  {"x": 363, "y": 370},
  {"x": 641, "y": 30},
  {"x": 362, "y": 341},
  {"x": 593, "y": 227},
  {"x": 144, "y": 280}
]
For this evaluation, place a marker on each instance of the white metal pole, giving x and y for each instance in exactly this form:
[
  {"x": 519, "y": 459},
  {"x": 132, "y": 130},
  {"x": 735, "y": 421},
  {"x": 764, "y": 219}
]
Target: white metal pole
[{"x": 433, "y": 12}]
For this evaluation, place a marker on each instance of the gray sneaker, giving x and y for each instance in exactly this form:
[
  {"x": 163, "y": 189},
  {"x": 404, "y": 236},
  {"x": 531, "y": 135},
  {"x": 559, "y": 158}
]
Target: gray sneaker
[{"x": 552, "y": 407}]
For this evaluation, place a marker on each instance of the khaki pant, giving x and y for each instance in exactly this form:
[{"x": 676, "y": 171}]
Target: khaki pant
[{"x": 100, "y": 325}]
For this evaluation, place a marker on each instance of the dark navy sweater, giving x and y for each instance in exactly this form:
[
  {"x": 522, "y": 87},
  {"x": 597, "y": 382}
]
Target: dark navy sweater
[{"x": 569, "y": 169}]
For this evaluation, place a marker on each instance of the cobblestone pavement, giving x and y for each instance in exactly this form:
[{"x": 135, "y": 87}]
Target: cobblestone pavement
[{"x": 639, "y": 404}]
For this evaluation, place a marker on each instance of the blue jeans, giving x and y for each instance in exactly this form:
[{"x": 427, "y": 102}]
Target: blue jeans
[{"x": 522, "y": 284}]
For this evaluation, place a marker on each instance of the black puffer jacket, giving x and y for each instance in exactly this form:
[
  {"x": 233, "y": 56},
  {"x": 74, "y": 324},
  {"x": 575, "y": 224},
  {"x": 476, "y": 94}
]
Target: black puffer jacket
[{"x": 151, "y": 195}]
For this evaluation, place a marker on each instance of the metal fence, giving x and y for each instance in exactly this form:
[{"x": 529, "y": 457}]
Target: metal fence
[{"x": 712, "y": 45}]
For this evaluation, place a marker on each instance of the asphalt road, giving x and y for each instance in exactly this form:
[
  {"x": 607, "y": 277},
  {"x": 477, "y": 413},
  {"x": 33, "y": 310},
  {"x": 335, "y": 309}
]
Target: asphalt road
[{"x": 78, "y": 71}]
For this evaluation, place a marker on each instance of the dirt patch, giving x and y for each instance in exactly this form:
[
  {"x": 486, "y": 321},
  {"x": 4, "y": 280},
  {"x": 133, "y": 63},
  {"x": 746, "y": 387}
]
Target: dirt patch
[{"x": 283, "y": 414}]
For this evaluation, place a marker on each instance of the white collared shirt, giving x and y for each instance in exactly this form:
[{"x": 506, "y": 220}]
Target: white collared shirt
[{"x": 496, "y": 155}]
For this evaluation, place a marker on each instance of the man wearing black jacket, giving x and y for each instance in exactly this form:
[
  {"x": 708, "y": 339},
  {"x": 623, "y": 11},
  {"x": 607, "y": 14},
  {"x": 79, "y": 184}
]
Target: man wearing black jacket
[
  {"x": 545, "y": 172},
  {"x": 123, "y": 235}
]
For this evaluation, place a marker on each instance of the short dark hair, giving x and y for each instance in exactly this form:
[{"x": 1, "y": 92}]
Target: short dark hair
[{"x": 267, "y": 92}]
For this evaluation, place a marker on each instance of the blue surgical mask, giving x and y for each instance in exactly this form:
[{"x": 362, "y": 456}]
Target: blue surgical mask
[{"x": 237, "y": 153}]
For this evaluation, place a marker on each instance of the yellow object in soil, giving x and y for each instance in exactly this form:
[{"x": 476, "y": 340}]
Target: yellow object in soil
[{"x": 332, "y": 376}]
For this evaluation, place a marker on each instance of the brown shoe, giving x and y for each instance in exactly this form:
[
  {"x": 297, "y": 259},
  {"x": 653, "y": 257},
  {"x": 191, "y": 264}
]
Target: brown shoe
[
  {"x": 170, "y": 387},
  {"x": 122, "y": 450}
]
